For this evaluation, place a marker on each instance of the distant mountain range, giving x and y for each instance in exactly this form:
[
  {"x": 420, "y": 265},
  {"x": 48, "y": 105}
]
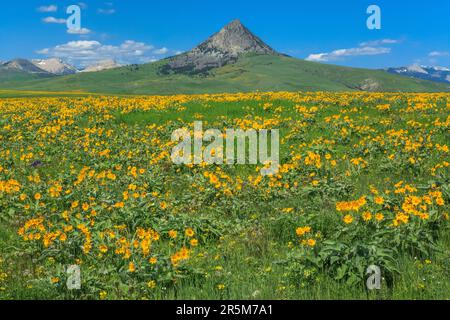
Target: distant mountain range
[
  {"x": 51, "y": 67},
  {"x": 102, "y": 65},
  {"x": 439, "y": 74},
  {"x": 55, "y": 66},
  {"x": 231, "y": 60},
  {"x": 24, "y": 66}
]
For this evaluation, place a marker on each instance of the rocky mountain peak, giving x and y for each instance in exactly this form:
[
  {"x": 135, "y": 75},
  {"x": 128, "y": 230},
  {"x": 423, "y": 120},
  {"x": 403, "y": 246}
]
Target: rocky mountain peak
[
  {"x": 223, "y": 47},
  {"x": 235, "y": 39},
  {"x": 431, "y": 73},
  {"x": 102, "y": 65},
  {"x": 24, "y": 65},
  {"x": 54, "y": 66},
  {"x": 236, "y": 23}
]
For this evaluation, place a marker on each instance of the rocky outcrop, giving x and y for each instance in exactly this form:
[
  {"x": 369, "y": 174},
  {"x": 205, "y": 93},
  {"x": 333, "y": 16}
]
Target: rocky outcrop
[
  {"x": 24, "y": 66},
  {"x": 222, "y": 48},
  {"x": 439, "y": 74},
  {"x": 102, "y": 65},
  {"x": 55, "y": 66}
]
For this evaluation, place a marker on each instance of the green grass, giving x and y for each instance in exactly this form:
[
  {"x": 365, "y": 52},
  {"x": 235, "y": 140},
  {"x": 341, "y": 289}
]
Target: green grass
[
  {"x": 248, "y": 259},
  {"x": 13, "y": 76},
  {"x": 250, "y": 73},
  {"x": 31, "y": 94}
]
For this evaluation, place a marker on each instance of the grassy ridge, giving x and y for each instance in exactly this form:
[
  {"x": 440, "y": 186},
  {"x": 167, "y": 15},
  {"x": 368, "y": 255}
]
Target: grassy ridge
[
  {"x": 250, "y": 73},
  {"x": 11, "y": 77}
]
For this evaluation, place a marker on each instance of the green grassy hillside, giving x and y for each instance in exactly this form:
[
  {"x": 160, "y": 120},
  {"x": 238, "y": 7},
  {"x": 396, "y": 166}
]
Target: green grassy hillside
[
  {"x": 250, "y": 73},
  {"x": 14, "y": 76}
]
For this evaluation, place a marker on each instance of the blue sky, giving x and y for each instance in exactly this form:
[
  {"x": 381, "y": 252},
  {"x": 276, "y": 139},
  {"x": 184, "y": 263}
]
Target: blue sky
[{"x": 140, "y": 31}]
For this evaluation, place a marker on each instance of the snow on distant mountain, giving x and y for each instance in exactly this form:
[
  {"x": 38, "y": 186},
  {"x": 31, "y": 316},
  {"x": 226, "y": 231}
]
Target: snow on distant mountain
[
  {"x": 24, "y": 66},
  {"x": 438, "y": 74},
  {"x": 55, "y": 66},
  {"x": 441, "y": 68},
  {"x": 102, "y": 65},
  {"x": 416, "y": 68}
]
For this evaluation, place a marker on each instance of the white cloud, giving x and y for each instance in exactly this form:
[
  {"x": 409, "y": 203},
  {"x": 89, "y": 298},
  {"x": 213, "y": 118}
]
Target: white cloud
[
  {"x": 367, "y": 48},
  {"x": 375, "y": 43},
  {"x": 79, "y": 31},
  {"x": 84, "y": 53},
  {"x": 438, "y": 53},
  {"x": 161, "y": 51},
  {"x": 106, "y": 11},
  {"x": 50, "y": 8},
  {"x": 54, "y": 20},
  {"x": 350, "y": 52},
  {"x": 82, "y": 5},
  {"x": 44, "y": 51},
  {"x": 319, "y": 57}
]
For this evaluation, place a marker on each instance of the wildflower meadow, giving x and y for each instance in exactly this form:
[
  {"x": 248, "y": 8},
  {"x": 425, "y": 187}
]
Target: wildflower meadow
[{"x": 88, "y": 184}]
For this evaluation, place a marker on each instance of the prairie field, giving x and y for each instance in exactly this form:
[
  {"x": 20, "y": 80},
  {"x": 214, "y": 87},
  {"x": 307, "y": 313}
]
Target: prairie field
[{"x": 89, "y": 181}]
